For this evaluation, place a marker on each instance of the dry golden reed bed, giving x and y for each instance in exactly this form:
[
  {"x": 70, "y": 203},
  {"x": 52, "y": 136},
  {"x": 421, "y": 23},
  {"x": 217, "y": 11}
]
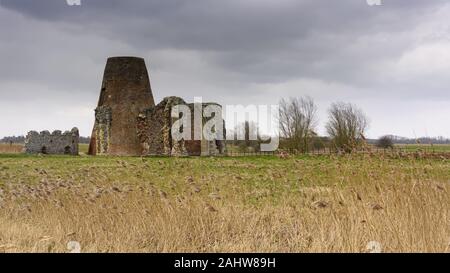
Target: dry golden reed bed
[
  {"x": 303, "y": 204},
  {"x": 11, "y": 149}
]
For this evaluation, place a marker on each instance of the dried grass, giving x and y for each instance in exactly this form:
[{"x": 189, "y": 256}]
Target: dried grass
[
  {"x": 11, "y": 148},
  {"x": 327, "y": 204}
]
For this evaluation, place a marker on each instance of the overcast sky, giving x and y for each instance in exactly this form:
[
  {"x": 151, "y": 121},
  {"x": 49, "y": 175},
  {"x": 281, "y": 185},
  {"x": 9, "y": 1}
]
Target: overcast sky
[{"x": 391, "y": 60}]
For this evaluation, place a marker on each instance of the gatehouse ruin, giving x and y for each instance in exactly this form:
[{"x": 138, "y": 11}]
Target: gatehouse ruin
[
  {"x": 127, "y": 121},
  {"x": 155, "y": 125}
]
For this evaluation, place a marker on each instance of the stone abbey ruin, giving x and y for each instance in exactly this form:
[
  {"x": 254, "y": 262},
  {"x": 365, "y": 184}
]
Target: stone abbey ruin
[
  {"x": 127, "y": 121},
  {"x": 154, "y": 132},
  {"x": 52, "y": 143}
]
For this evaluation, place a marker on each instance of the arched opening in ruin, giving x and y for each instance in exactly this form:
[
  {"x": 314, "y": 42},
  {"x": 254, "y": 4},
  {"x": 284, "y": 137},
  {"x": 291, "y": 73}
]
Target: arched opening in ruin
[
  {"x": 44, "y": 150},
  {"x": 67, "y": 150}
]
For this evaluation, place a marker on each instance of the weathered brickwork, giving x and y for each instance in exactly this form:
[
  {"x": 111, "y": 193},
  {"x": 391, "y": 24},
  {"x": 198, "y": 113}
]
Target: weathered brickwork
[
  {"x": 125, "y": 93},
  {"x": 52, "y": 143}
]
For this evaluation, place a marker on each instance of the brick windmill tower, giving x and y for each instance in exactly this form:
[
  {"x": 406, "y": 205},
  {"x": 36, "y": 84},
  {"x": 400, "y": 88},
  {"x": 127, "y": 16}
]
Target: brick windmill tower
[{"x": 125, "y": 93}]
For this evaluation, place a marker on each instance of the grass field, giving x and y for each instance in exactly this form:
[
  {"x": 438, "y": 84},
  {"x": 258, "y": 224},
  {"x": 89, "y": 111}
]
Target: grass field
[
  {"x": 246, "y": 204},
  {"x": 425, "y": 147},
  {"x": 83, "y": 148}
]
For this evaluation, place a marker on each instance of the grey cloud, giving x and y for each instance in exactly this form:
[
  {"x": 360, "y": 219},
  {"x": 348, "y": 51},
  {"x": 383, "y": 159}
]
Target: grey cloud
[
  {"x": 253, "y": 31},
  {"x": 221, "y": 49}
]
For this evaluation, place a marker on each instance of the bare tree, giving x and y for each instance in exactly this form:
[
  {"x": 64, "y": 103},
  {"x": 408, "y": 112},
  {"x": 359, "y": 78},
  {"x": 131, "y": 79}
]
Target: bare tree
[
  {"x": 385, "y": 142},
  {"x": 298, "y": 120},
  {"x": 346, "y": 126}
]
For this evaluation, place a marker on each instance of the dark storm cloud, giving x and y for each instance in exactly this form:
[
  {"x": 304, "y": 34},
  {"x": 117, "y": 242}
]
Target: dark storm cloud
[
  {"x": 263, "y": 41},
  {"x": 258, "y": 50}
]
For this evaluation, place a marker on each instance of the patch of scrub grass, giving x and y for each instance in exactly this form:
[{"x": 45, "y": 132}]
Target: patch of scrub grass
[{"x": 224, "y": 204}]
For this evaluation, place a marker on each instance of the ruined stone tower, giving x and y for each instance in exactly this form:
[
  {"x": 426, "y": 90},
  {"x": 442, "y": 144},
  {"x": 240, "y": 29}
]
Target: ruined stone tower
[{"x": 124, "y": 94}]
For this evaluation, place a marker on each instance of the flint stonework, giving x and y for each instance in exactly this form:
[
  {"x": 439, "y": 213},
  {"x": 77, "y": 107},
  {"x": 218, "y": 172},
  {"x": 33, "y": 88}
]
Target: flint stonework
[{"x": 52, "y": 143}]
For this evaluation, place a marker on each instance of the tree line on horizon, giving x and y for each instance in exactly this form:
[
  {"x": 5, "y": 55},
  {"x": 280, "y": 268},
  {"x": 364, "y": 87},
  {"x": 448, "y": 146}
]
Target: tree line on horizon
[
  {"x": 21, "y": 140},
  {"x": 346, "y": 129},
  {"x": 298, "y": 119}
]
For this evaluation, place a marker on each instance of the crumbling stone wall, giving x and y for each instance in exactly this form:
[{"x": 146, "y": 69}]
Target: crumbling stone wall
[
  {"x": 155, "y": 135},
  {"x": 154, "y": 129},
  {"x": 102, "y": 131},
  {"x": 52, "y": 143}
]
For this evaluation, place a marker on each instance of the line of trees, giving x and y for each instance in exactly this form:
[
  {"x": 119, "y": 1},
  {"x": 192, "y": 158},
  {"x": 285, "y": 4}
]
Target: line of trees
[
  {"x": 21, "y": 139},
  {"x": 13, "y": 139},
  {"x": 346, "y": 126},
  {"x": 298, "y": 120}
]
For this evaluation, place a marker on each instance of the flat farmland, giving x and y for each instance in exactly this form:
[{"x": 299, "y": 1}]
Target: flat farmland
[
  {"x": 245, "y": 204},
  {"x": 438, "y": 148}
]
